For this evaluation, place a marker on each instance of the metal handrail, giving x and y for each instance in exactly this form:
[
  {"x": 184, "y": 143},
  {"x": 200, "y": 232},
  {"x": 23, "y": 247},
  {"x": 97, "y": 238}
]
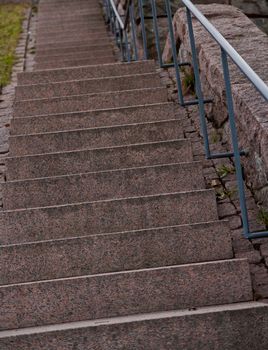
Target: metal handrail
[
  {"x": 129, "y": 53},
  {"x": 118, "y": 17},
  {"x": 228, "y": 48}
]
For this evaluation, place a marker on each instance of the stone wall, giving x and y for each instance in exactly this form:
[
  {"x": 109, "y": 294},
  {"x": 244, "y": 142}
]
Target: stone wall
[
  {"x": 252, "y": 7},
  {"x": 250, "y": 108},
  {"x": 162, "y": 22},
  {"x": 256, "y": 8}
]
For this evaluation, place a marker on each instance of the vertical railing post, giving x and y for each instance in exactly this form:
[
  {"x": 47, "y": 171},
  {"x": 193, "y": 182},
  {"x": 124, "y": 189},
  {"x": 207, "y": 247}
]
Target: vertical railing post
[
  {"x": 119, "y": 39},
  {"x": 156, "y": 33},
  {"x": 201, "y": 105},
  {"x": 238, "y": 167},
  {"x": 174, "y": 52},
  {"x": 127, "y": 50},
  {"x": 113, "y": 23},
  {"x": 133, "y": 31},
  {"x": 110, "y": 16},
  {"x": 143, "y": 29}
]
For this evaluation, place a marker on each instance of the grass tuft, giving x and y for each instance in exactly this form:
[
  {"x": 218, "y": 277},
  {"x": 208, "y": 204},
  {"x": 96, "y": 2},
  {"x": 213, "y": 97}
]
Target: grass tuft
[
  {"x": 11, "y": 18},
  {"x": 262, "y": 217}
]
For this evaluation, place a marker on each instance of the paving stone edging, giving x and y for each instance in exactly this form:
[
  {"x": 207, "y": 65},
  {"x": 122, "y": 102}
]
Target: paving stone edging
[{"x": 24, "y": 62}]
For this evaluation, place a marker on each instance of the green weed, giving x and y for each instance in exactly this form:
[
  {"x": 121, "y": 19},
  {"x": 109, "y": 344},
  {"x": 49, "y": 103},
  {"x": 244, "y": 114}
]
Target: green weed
[
  {"x": 262, "y": 217},
  {"x": 11, "y": 18},
  {"x": 224, "y": 170}
]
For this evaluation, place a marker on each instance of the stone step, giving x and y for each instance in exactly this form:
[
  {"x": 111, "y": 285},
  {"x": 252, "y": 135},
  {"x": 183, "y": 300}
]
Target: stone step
[
  {"x": 81, "y": 55},
  {"x": 109, "y": 158},
  {"x": 115, "y": 215},
  {"x": 73, "y": 63},
  {"x": 125, "y": 293},
  {"x": 53, "y": 11},
  {"x": 79, "y": 87},
  {"x": 225, "y": 327},
  {"x": 93, "y": 119},
  {"x": 79, "y": 73},
  {"x": 59, "y": 16},
  {"x": 130, "y": 250},
  {"x": 70, "y": 36},
  {"x": 62, "y": 44},
  {"x": 111, "y": 136},
  {"x": 72, "y": 27},
  {"x": 68, "y": 11},
  {"x": 103, "y": 185},
  {"x": 50, "y": 4},
  {"x": 55, "y": 52},
  {"x": 89, "y": 101},
  {"x": 80, "y": 47},
  {"x": 71, "y": 23},
  {"x": 64, "y": 17}
]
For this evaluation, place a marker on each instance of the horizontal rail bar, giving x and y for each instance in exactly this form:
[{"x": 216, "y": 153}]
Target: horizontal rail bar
[
  {"x": 256, "y": 235},
  {"x": 231, "y": 52},
  {"x": 196, "y": 102},
  {"x": 225, "y": 155}
]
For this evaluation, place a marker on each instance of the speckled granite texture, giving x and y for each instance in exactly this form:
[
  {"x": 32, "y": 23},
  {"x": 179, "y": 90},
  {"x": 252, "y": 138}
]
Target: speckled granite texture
[
  {"x": 95, "y": 138},
  {"x": 79, "y": 73},
  {"x": 92, "y": 119},
  {"x": 83, "y": 161},
  {"x": 81, "y": 87},
  {"x": 90, "y": 101},
  {"x": 125, "y": 293},
  {"x": 109, "y": 216},
  {"x": 115, "y": 252},
  {"x": 103, "y": 185},
  {"x": 156, "y": 331}
]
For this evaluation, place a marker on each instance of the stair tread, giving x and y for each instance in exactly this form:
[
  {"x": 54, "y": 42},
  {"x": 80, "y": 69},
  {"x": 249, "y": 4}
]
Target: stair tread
[
  {"x": 127, "y": 292},
  {"x": 95, "y": 159},
  {"x": 85, "y": 86},
  {"x": 133, "y": 318},
  {"x": 97, "y": 100},
  {"x": 93, "y": 118},
  {"x": 116, "y": 135},
  {"x": 67, "y": 220},
  {"x": 128, "y": 250},
  {"x": 93, "y": 71},
  {"x": 103, "y": 185}
]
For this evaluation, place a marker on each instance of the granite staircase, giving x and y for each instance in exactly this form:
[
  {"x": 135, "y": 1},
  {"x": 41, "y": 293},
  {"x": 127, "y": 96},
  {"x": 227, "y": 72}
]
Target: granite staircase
[{"x": 109, "y": 239}]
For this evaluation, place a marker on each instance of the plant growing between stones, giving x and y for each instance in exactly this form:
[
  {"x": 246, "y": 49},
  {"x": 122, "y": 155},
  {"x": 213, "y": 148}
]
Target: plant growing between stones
[
  {"x": 223, "y": 193},
  {"x": 262, "y": 217},
  {"x": 188, "y": 81},
  {"x": 214, "y": 137},
  {"x": 224, "y": 170}
]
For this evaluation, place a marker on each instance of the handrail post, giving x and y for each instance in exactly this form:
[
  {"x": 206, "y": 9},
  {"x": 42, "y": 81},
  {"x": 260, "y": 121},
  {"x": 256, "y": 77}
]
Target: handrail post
[
  {"x": 143, "y": 29},
  {"x": 174, "y": 52},
  {"x": 126, "y": 46},
  {"x": 202, "y": 113},
  {"x": 156, "y": 33},
  {"x": 110, "y": 16},
  {"x": 133, "y": 31},
  {"x": 238, "y": 167}
]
